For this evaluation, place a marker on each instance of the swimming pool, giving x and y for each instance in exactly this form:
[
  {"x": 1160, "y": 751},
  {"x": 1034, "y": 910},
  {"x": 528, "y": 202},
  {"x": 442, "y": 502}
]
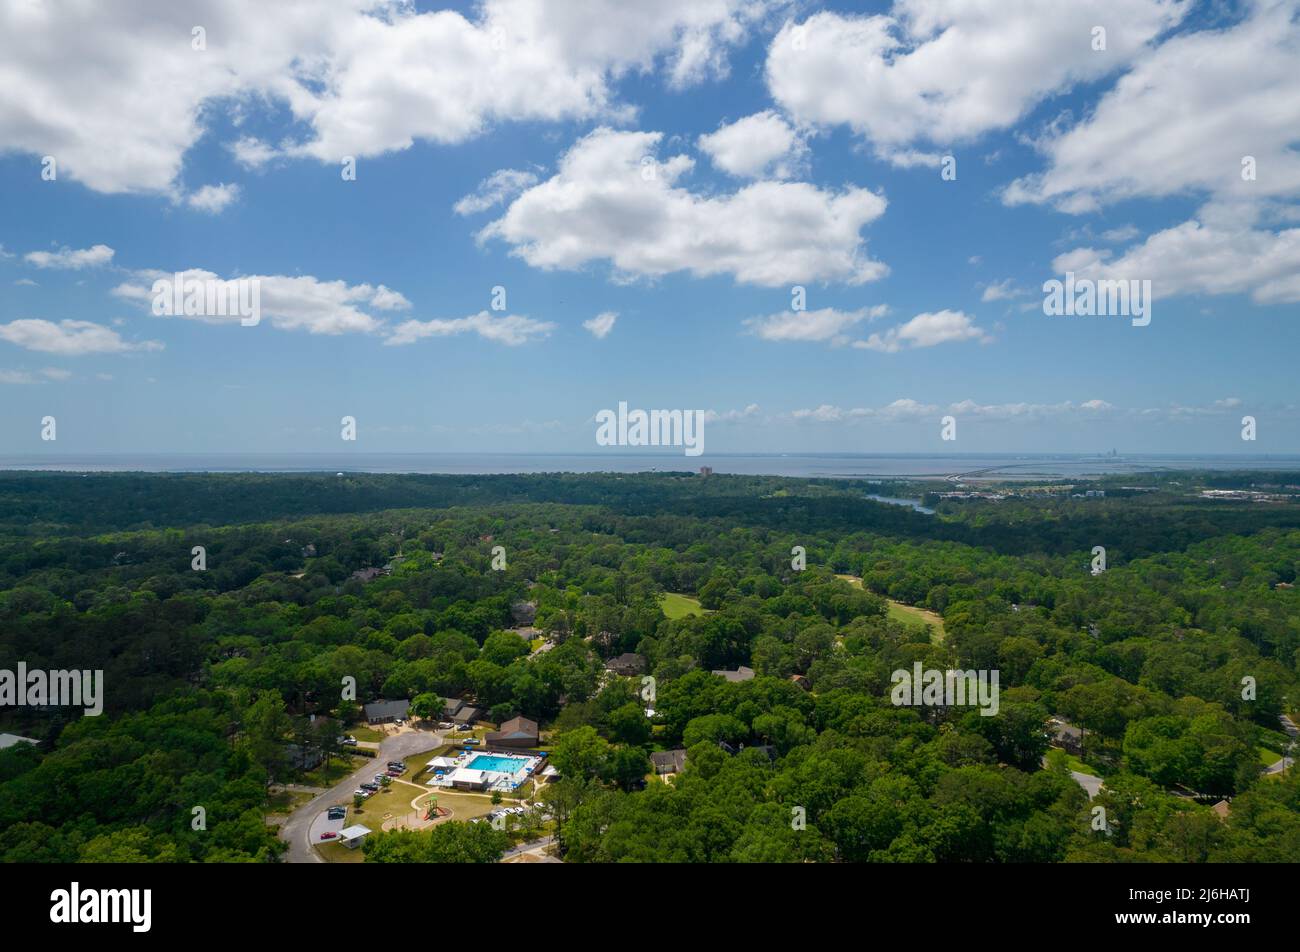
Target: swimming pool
[{"x": 505, "y": 765}]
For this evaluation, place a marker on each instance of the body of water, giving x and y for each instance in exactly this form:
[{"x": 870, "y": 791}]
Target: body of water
[
  {"x": 861, "y": 466},
  {"x": 895, "y": 501}
]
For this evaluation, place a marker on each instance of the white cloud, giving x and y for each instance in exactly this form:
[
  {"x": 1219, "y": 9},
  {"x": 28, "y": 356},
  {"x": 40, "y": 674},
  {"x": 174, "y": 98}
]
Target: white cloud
[
  {"x": 511, "y": 330},
  {"x": 26, "y": 377},
  {"x": 1018, "y": 411},
  {"x": 1182, "y": 120},
  {"x": 759, "y": 146},
  {"x": 252, "y": 153},
  {"x": 213, "y": 198},
  {"x": 907, "y": 409},
  {"x": 300, "y": 302},
  {"x": 71, "y": 258},
  {"x": 601, "y": 324},
  {"x": 118, "y": 95},
  {"x": 70, "y": 338},
  {"x": 731, "y": 416},
  {"x": 902, "y": 409},
  {"x": 827, "y": 324},
  {"x": 1215, "y": 257},
  {"x": 605, "y": 204},
  {"x": 1002, "y": 291},
  {"x": 945, "y": 71},
  {"x": 926, "y": 330},
  {"x": 26, "y": 283},
  {"x": 495, "y": 189}
]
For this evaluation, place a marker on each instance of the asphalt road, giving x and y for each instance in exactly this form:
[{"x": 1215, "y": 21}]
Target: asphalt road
[{"x": 296, "y": 831}]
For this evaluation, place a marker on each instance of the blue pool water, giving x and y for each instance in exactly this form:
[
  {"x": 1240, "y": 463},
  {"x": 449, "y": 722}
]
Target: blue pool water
[{"x": 507, "y": 765}]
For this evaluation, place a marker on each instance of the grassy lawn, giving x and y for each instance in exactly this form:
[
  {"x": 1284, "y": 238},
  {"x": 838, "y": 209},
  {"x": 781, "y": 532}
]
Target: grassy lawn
[
  {"x": 338, "y": 769},
  {"x": 906, "y": 613},
  {"x": 368, "y": 734},
  {"x": 1072, "y": 762},
  {"x": 679, "y": 606},
  {"x": 1267, "y": 757},
  {"x": 338, "y": 853}
]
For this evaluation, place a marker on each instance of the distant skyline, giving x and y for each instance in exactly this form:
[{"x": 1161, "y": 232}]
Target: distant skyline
[{"x": 642, "y": 203}]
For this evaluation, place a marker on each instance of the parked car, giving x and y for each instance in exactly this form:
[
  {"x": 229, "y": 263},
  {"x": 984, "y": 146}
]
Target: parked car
[
  {"x": 394, "y": 774},
  {"x": 379, "y": 778},
  {"x": 470, "y": 742},
  {"x": 328, "y": 835},
  {"x": 349, "y": 741},
  {"x": 359, "y": 792},
  {"x": 396, "y": 765},
  {"x": 337, "y": 813},
  {"x": 446, "y": 726}
]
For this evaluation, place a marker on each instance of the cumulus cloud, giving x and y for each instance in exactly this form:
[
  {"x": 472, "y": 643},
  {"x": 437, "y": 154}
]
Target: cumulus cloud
[
  {"x": 605, "y": 203},
  {"x": 362, "y": 77},
  {"x": 71, "y": 258},
  {"x": 511, "y": 330},
  {"x": 1194, "y": 107},
  {"x": 731, "y": 416},
  {"x": 902, "y": 409},
  {"x": 763, "y": 145},
  {"x": 70, "y": 338},
  {"x": 601, "y": 324},
  {"x": 1002, "y": 291},
  {"x": 300, "y": 302},
  {"x": 1219, "y": 257},
  {"x": 212, "y": 198},
  {"x": 945, "y": 71},
  {"x": 495, "y": 189},
  {"x": 827, "y": 324},
  {"x": 907, "y": 409},
  {"x": 926, "y": 330}
]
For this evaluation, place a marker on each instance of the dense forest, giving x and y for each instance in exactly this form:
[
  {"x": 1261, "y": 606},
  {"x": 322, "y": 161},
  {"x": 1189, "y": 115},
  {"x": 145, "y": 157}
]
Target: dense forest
[{"x": 211, "y": 674}]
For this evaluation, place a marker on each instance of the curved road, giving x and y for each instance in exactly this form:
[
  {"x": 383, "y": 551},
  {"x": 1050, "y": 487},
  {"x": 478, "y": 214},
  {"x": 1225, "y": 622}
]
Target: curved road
[{"x": 295, "y": 830}]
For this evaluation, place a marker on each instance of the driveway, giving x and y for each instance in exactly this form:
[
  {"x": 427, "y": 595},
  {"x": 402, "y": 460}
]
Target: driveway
[
  {"x": 299, "y": 828},
  {"x": 1091, "y": 785}
]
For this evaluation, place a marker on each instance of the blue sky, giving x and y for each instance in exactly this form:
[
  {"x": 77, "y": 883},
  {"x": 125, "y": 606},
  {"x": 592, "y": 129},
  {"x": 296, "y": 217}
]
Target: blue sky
[{"x": 923, "y": 294}]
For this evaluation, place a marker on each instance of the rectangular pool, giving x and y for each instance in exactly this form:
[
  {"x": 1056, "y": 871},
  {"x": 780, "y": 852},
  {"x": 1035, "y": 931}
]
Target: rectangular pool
[{"x": 505, "y": 765}]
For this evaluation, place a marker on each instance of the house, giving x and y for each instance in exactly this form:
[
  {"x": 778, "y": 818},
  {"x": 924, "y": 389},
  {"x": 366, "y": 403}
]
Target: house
[
  {"x": 740, "y": 674},
  {"x": 382, "y": 712},
  {"x": 451, "y": 707},
  {"x": 1066, "y": 736},
  {"x": 626, "y": 665},
  {"x": 524, "y": 613},
  {"x": 468, "y": 715},
  {"x": 463, "y": 778},
  {"x": 353, "y": 835},
  {"x": 1222, "y": 809},
  {"x": 802, "y": 681},
  {"x": 367, "y": 575},
  {"x": 304, "y": 758},
  {"x": 706, "y": 470},
  {"x": 9, "y": 740},
  {"x": 669, "y": 761},
  {"x": 516, "y": 732}
]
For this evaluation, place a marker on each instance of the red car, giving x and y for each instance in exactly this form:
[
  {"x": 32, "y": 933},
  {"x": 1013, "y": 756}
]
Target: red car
[{"x": 329, "y": 836}]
